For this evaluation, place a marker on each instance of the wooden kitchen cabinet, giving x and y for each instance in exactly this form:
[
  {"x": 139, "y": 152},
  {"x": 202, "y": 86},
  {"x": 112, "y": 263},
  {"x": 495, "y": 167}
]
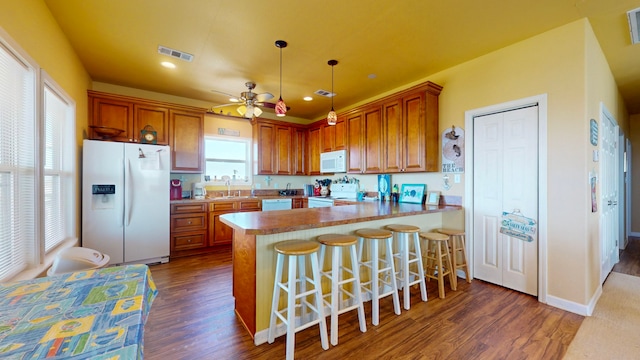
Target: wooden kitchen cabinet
[
  {"x": 364, "y": 129},
  {"x": 297, "y": 203},
  {"x": 186, "y": 141},
  {"x": 264, "y": 135},
  {"x": 280, "y": 148},
  {"x": 315, "y": 148},
  {"x": 334, "y": 137},
  {"x": 299, "y": 151},
  {"x": 112, "y": 112},
  {"x": 133, "y": 114},
  {"x": 410, "y": 130},
  {"x": 156, "y": 116},
  {"x": 219, "y": 232},
  {"x": 188, "y": 228}
]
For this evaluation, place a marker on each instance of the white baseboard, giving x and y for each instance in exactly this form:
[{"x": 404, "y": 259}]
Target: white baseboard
[{"x": 580, "y": 309}]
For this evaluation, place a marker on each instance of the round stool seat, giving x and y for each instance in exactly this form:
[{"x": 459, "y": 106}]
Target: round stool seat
[
  {"x": 337, "y": 240},
  {"x": 374, "y": 233},
  {"x": 296, "y": 247},
  {"x": 434, "y": 236},
  {"x": 451, "y": 232},
  {"x": 402, "y": 228}
]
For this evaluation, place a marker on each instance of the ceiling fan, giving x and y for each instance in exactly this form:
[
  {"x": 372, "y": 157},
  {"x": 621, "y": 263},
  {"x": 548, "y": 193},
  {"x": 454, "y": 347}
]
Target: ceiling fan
[{"x": 249, "y": 101}]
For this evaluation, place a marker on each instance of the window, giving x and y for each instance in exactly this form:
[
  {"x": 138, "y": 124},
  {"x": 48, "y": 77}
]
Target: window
[
  {"x": 37, "y": 163},
  {"x": 228, "y": 157},
  {"x": 59, "y": 165},
  {"x": 17, "y": 162}
]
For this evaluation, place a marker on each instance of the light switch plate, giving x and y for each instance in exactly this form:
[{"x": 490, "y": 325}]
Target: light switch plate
[{"x": 456, "y": 178}]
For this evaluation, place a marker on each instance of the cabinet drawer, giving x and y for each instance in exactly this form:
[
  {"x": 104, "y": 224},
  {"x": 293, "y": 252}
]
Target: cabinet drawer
[
  {"x": 189, "y": 208},
  {"x": 222, "y": 205},
  {"x": 188, "y": 241},
  {"x": 255, "y": 205},
  {"x": 186, "y": 222}
]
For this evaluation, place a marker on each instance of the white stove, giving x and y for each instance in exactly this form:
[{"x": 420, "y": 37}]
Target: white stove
[
  {"x": 338, "y": 191},
  {"x": 344, "y": 191}
]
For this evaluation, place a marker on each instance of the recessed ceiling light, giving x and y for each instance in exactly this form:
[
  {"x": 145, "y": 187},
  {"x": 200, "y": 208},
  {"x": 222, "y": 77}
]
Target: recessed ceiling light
[
  {"x": 168, "y": 65},
  {"x": 307, "y": 98},
  {"x": 372, "y": 76}
]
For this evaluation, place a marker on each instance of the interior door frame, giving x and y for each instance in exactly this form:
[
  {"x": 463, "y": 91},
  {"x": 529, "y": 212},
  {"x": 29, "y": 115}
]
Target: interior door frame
[{"x": 541, "y": 101}]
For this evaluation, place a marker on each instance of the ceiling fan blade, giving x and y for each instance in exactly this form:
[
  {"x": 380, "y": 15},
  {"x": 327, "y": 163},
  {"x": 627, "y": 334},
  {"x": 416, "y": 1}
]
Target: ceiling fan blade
[{"x": 264, "y": 97}]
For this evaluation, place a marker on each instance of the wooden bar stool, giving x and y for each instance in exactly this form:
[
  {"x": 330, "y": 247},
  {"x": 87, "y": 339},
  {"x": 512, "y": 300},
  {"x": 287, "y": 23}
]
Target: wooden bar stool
[
  {"x": 339, "y": 294},
  {"x": 379, "y": 277},
  {"x": 296, "y": 251},
  {"x": 437, "y": 250},
  {"x": 406, "y": 257},
  {"x": 458, "y": 251}
]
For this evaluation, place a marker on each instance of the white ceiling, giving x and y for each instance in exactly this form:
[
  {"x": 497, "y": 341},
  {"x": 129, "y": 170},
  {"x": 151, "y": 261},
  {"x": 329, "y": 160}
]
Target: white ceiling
[{"x": 233, "y": 41}]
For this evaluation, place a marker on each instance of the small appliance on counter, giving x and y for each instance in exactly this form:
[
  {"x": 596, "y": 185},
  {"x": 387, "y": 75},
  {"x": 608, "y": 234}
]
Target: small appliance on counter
[
  {"x": 198, "y": 191},
  {"x": 176, "y": 189}
]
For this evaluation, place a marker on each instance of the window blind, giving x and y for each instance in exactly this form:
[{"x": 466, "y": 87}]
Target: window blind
[
  {"x": 59, "y": 164},
  {"x": 17, "y": 163}
]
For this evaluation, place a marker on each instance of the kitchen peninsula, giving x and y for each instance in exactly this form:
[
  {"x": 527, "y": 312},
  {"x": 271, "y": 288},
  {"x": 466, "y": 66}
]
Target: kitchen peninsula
[{"x": 256, "y": 232}]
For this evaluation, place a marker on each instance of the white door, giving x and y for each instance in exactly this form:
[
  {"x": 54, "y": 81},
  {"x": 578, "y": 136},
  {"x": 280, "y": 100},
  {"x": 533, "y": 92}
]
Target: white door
[
  {"x": 609, "y": 195},
  {"x": 505, "y": 200}
]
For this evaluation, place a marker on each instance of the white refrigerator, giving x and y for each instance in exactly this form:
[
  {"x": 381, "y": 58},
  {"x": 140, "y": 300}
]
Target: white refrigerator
[{"x": 125, "y": 201}]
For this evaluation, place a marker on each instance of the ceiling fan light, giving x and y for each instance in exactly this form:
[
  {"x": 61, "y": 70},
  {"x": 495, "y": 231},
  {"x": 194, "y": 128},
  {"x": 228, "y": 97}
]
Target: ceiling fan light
[
  {"x": 281, "y": 107},
  {"x": 241, "y": 110},
  {"x": 257, "y": 111},
  {"x": 332, "y": 118}
]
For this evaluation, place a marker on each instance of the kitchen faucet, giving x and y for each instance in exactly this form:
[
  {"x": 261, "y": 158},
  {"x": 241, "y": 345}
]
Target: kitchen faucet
[{"x": 228, "y": 183}]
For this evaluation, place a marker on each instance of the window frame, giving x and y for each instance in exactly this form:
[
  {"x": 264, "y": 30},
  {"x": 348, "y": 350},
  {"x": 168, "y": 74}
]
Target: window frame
[{"x": 248, "y": 161}]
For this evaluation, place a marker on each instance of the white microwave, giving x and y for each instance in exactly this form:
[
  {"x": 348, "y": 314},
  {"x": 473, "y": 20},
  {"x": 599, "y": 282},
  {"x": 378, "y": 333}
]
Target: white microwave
[{"x": 333, "y": 161}]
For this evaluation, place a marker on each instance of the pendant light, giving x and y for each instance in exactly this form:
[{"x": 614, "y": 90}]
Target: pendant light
[
  {"x": 332, "y": 118},
  {"x": 281, "y": 107}
]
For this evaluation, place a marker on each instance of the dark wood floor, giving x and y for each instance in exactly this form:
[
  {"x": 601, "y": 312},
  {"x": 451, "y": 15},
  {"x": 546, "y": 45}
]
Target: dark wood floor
[
  {"x": 193, "y": 318},
  {"x": 629, "y": 258}
]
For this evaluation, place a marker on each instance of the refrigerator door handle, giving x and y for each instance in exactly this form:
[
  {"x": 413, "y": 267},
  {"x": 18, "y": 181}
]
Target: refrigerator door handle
[{"x": 128, "y": 193}]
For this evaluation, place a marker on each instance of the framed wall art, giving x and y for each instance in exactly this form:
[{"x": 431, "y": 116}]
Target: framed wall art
[
  {"x": 433, "y": 198},
  {"x": 412, "y": 193}
]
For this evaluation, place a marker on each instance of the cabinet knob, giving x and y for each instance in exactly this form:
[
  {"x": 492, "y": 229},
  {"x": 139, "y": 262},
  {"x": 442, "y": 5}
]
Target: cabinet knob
[
  {"x": 189, "y": 240},
  {"x": 189, "y": 222}
]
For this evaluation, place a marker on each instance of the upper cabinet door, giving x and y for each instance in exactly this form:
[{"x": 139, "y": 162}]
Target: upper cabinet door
[
  {"x": 112, "y": 113},
  {"x": 187, "y": 141},
  {"x": 315, "y": 148},
  {"x": 354, "y": 143},
  {"x": 392, "y": 134},
  {"x": 155, "y": 116}
]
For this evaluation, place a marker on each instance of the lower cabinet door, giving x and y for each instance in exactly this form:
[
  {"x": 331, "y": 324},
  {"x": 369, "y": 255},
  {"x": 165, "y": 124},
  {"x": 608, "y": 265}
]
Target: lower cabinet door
[{"x": 219, "y": 232}]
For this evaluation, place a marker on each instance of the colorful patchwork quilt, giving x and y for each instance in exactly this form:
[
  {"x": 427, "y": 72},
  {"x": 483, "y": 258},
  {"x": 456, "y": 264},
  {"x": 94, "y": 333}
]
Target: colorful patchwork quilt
[{"x": 96, "y": 314}]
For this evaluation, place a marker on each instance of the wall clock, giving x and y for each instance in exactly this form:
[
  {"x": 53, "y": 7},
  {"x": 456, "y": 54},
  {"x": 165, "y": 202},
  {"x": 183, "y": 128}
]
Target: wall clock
[{"x": 148, "y": 135}]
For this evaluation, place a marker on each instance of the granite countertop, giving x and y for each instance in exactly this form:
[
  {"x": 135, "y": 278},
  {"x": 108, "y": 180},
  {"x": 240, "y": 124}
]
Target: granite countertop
[{"x": 279, "y": 221}]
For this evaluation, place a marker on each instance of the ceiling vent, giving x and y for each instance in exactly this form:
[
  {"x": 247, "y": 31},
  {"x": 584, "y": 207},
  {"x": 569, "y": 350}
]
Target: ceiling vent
[
  {"x": 325, "y": 93},
  {"x": 634, "y": 25},
  {"x": 175, "y": 53}
]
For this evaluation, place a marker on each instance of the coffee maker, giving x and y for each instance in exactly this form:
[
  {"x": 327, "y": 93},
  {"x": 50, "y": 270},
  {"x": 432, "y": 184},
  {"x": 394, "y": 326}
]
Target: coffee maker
[
  {"x": 176, "y": 189},
  {"x": 198, "y": 191}
]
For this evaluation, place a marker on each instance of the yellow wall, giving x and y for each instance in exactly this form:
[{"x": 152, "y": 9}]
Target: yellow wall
[
  {"x": 30, "y": 24},
  {"x": 554, "y": 63}
]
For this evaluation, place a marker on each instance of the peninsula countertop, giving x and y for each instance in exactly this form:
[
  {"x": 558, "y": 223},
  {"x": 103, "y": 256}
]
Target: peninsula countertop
[{"x": 279, "y": 221}]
